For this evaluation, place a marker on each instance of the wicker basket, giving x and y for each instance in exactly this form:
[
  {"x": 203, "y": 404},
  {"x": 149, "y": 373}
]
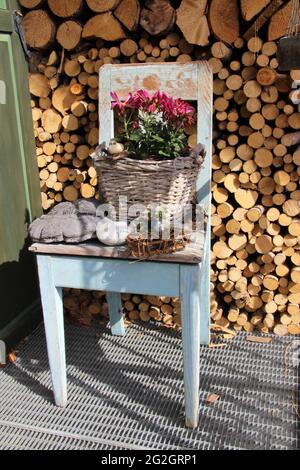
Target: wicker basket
[
  {"x": 148, "y": 182},
  {"x": 144, "y": 248}
]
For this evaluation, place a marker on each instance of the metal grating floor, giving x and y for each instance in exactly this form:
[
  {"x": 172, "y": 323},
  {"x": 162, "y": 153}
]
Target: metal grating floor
[{"x": 127, "y": 393}]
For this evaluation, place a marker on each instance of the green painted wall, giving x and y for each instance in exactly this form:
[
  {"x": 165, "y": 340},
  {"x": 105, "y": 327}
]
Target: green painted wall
[{"x": 19, "y": 191}]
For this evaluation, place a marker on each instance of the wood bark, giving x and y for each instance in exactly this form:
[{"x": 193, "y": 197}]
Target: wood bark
[{"x": 157, "y": 17}]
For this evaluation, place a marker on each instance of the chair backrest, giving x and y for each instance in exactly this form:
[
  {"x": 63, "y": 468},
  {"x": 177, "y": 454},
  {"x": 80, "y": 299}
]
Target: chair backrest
[{"x": 191, "y": 81}]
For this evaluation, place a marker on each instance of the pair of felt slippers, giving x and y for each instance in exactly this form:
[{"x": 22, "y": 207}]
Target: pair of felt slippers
[{"x": 67, "y": 223}]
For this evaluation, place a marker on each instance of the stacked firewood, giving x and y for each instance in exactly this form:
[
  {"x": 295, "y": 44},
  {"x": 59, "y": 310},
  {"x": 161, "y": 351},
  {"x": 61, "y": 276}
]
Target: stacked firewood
[
  {"x": 255, "y": 269},
  {"x": 65, "y": 115},
  {"x": 82, "y": 306},
  {"x": 255, "y": 195}
]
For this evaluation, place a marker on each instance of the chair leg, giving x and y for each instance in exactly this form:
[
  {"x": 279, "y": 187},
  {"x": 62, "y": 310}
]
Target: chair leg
[
  {"x": 190, "y": 318},
  {"x": 115, "y": 310},
  {"x": 54, "y": 326},
  {"x": 204, "y": 286}
]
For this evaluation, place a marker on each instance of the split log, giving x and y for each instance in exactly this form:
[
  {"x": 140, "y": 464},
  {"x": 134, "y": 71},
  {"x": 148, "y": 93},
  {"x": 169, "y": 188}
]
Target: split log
[
  {"x": 278, "y": 26},
  {"x": 251, "y": 8},
  {"x": 104, "y": 26},
  {"x": 192, "y": 21},
  {"x": 224, "y": 20},
  {"x": 157, "y": 17},
  {"x": 263, "y": 18},
  {"x": 128, "y": 13}
]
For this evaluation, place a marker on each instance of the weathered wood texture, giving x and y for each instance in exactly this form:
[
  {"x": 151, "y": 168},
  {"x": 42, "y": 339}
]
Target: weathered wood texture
[
  {"x": 193, "y": 253},
  {"x": 54, "y": 325},
  {"x": 114, "y": 276},
  {"x": 19, "y": 178}
]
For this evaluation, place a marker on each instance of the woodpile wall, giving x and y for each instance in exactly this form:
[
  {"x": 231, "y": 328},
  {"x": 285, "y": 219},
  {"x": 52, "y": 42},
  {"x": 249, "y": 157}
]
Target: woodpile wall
[{"x": 255, "y": 270}]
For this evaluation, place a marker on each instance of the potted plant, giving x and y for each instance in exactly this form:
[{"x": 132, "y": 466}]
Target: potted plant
[{"x": 149, "y": 160}]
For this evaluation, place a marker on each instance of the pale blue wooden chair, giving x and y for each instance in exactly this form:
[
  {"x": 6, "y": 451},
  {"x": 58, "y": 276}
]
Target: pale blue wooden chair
[{"x": 93, "y": 266}]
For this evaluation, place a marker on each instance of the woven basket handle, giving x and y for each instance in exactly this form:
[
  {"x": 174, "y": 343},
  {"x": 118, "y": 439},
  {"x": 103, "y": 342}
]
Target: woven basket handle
[
  {"x": 97, "y": 154},
  {"x": 198, "y": 152}
]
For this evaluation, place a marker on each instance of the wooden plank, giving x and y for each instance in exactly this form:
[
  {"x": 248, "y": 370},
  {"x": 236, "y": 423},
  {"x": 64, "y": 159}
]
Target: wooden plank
[
  {"x": 190, "y": 319},
  {"x": 29, "y": 164},
  {"x": 204, "y": 129},
  {"x": 6, "y": 24},
  {"x": 3, "y": 4},
  {"x": 116, "y": 275},
  {"x": 106, "y": 121},
  {"x": 259, "y": 339},
  {"x": 2, "y": 353},
  {"x": 54, "y": 327},
  {"x": 16, "y": 210},
  {"x": 178, "y": 80},
  {"x": 17, "y": 163},
  {"x": 204, "y": 293},
  {"x": 191, "y": 254}
]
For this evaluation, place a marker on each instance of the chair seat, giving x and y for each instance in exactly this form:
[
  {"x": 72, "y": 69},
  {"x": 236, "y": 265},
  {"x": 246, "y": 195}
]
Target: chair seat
[{"x": 192, "y": 253}]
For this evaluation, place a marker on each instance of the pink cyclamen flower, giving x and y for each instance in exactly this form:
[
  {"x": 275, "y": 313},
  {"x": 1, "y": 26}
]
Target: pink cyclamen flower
[
  {"x": 138, "y": 100},
  {"x": 183, "y": 107},
  {"x": 179, "y": 112},
  {"x": 116, "y": 103},
  {"x": 152, "y": 108}
]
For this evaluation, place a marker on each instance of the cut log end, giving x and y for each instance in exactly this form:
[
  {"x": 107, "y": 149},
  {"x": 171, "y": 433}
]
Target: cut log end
[
  {"x": 224, "y": 20},
  {"x": 65, "y": 8},
  {"x": 128, "y": 13},
  {"x": 101, "y": 6},
  {"x": 69, "y": 34},
  {"x": 39, "y": 29},
  {"x": 104, "y": 26}
]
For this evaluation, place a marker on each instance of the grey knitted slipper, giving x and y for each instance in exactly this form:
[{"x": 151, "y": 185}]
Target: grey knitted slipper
[{"x": 67, "y": 222}]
